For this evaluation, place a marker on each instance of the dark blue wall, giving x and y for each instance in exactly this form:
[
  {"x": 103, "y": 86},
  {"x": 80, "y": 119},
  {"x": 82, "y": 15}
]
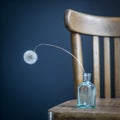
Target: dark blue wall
[{"x": 28, "y": 91}]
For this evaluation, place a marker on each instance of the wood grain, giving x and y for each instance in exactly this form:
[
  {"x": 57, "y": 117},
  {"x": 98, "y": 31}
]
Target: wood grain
[
  {"x": 117, "y": 66},
  {"x": 91, "y": 24},
  {"x": 106, "y": 109},
  {"x": 107, "y": 69},
  {"x": 96, "y": 64},
  {"x": 77, "y": 52},
  {"x": 80, "y": 23}
]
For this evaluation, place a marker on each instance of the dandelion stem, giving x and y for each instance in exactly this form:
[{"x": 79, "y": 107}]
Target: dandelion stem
[{"x": 55, "y": 46}]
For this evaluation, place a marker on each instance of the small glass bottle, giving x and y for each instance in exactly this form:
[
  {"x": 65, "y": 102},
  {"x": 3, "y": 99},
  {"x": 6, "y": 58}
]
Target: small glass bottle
[{"x": 86, "y": 96}]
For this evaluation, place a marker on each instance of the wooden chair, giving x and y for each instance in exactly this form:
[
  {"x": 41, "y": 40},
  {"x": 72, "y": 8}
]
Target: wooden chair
[
  {"x": 79, "y": 23},
  {"x": 96, "y": 26}
]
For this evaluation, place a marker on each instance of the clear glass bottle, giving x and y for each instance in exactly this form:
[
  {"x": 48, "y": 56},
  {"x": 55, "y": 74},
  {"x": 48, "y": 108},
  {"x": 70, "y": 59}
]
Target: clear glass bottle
[{"x": 86, "y": 96}]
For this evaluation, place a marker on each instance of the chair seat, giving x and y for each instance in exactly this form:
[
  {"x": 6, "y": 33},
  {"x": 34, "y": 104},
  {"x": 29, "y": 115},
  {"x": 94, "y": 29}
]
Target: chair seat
[{"x": 106, "y": 109}]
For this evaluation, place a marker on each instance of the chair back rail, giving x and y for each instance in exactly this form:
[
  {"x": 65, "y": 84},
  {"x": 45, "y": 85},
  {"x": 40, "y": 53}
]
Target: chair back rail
[
  {"x": 79, "y": 23},
  {"x": 91, "y": 24}
]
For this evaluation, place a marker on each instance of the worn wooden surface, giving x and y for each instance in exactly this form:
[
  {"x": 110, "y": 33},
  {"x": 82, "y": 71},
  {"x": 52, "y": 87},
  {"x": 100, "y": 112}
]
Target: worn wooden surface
[
  {"x": 91, "y": 24},
  {"x": 96, "y": 64},
  {"x": 106, "y": 109},
  {"x": 107, "y": 67},
  {"x": 117, "y": 66},
  {"x": 77, "y": 52},
  {"x": 96, "y": 26}
]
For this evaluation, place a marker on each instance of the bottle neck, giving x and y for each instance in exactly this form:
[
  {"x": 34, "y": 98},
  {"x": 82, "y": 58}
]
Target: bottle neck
[{"x": 87, "y": 77}]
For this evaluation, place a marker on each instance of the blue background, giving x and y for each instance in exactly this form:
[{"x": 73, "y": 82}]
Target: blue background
[{"x": 28, "y": 91}]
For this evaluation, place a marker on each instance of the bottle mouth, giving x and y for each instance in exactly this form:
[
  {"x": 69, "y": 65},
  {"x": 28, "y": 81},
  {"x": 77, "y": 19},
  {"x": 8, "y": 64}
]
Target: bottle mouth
[{"x": 87, "y": 76}]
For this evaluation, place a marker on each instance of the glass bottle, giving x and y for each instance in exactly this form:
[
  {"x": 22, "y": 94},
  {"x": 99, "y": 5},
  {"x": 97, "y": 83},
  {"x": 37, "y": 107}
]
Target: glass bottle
[{"x": 86, "y": 96}]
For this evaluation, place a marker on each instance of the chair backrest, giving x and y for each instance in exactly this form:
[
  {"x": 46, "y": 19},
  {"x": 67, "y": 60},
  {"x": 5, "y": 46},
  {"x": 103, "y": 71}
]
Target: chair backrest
[{"x": 79, "y": 23}]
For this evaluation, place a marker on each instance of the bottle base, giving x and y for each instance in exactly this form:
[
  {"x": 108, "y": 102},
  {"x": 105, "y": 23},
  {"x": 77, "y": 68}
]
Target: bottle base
[{"x": 85, "y": 106}]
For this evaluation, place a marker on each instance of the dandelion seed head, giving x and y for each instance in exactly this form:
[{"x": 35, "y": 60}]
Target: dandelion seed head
[{"x": 30, "y": 57}]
